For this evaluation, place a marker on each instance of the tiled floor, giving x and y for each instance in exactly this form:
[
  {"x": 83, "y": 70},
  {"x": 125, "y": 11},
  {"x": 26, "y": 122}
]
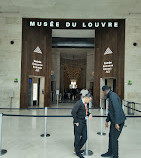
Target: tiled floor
[{"x": 21, "y": 136}]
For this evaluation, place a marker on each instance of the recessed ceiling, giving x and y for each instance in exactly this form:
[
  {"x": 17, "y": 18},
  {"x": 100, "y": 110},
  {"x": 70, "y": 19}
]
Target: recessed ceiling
[
  {"x": 73, "y": 33},
  {"x": 73, "y": 53}
]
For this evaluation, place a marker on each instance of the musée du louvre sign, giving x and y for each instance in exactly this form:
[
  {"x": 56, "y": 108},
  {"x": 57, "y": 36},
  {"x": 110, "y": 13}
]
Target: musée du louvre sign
[{"x": 73, "y": 24}]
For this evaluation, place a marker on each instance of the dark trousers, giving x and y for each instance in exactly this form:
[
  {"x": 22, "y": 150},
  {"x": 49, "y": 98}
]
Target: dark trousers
[
  {"x": 80, "y": 133},
  {"x": 113, "y": 139}
]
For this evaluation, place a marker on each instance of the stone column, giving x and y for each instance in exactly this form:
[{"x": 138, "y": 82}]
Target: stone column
[
  {"x": 89, "y": 68},
  {"x": 62, "y": 79},
  {"x": 57, "y": 71}
]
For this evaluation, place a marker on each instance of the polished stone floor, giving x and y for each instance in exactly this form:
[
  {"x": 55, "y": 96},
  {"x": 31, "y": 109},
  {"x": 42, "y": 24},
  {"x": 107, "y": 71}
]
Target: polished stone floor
[{"x": 21, "y": 136}]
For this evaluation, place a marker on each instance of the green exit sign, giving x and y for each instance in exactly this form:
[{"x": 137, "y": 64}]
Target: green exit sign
[
  {"x": 129, "y": 82},
  {"x": 16, "y": 80}
]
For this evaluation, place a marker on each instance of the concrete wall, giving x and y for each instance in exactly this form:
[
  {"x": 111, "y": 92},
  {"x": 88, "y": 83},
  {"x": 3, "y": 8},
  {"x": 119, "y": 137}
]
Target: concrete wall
[
  {"x": 10, "y": 59},
  {"x": 133, "y": 59}
]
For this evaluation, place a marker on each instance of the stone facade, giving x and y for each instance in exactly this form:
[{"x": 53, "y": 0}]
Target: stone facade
[
  {"x": 10, "y": 59},
  {"x": 133, "y": 60}
]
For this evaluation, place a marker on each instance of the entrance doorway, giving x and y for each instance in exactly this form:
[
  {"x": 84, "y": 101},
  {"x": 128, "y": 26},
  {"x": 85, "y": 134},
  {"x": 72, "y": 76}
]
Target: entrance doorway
[
  {"x": 36, "y": 91},
  {"x": 111, "y": 82},
  {"x": 72, "y": 63}
]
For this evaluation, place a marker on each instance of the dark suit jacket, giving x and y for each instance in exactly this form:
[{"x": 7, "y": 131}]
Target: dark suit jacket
[
  {"x": 79, "y": 112},
  {"x": 116, "y": 114}
]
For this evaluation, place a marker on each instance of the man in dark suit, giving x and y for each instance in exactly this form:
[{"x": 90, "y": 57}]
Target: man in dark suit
[
  {"x": 79, "y": 113},
  {"x": 117, "y": 118}
]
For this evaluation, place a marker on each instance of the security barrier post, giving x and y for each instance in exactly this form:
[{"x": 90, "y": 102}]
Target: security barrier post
[
  {"x": 87, "y": 151},
  {"x": 101, "y": 133},
  {"x": 2, "y": 151},
  {"x": 45, "y": 127}
]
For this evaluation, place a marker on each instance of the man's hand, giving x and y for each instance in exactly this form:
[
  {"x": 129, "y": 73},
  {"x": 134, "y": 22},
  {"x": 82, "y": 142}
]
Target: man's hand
[
  {"x": 77, "y": 124},
  {"x": 90, "y": 116},
  {"x": 106, "y": 125},
  {"x": 117, "y": 127}
]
